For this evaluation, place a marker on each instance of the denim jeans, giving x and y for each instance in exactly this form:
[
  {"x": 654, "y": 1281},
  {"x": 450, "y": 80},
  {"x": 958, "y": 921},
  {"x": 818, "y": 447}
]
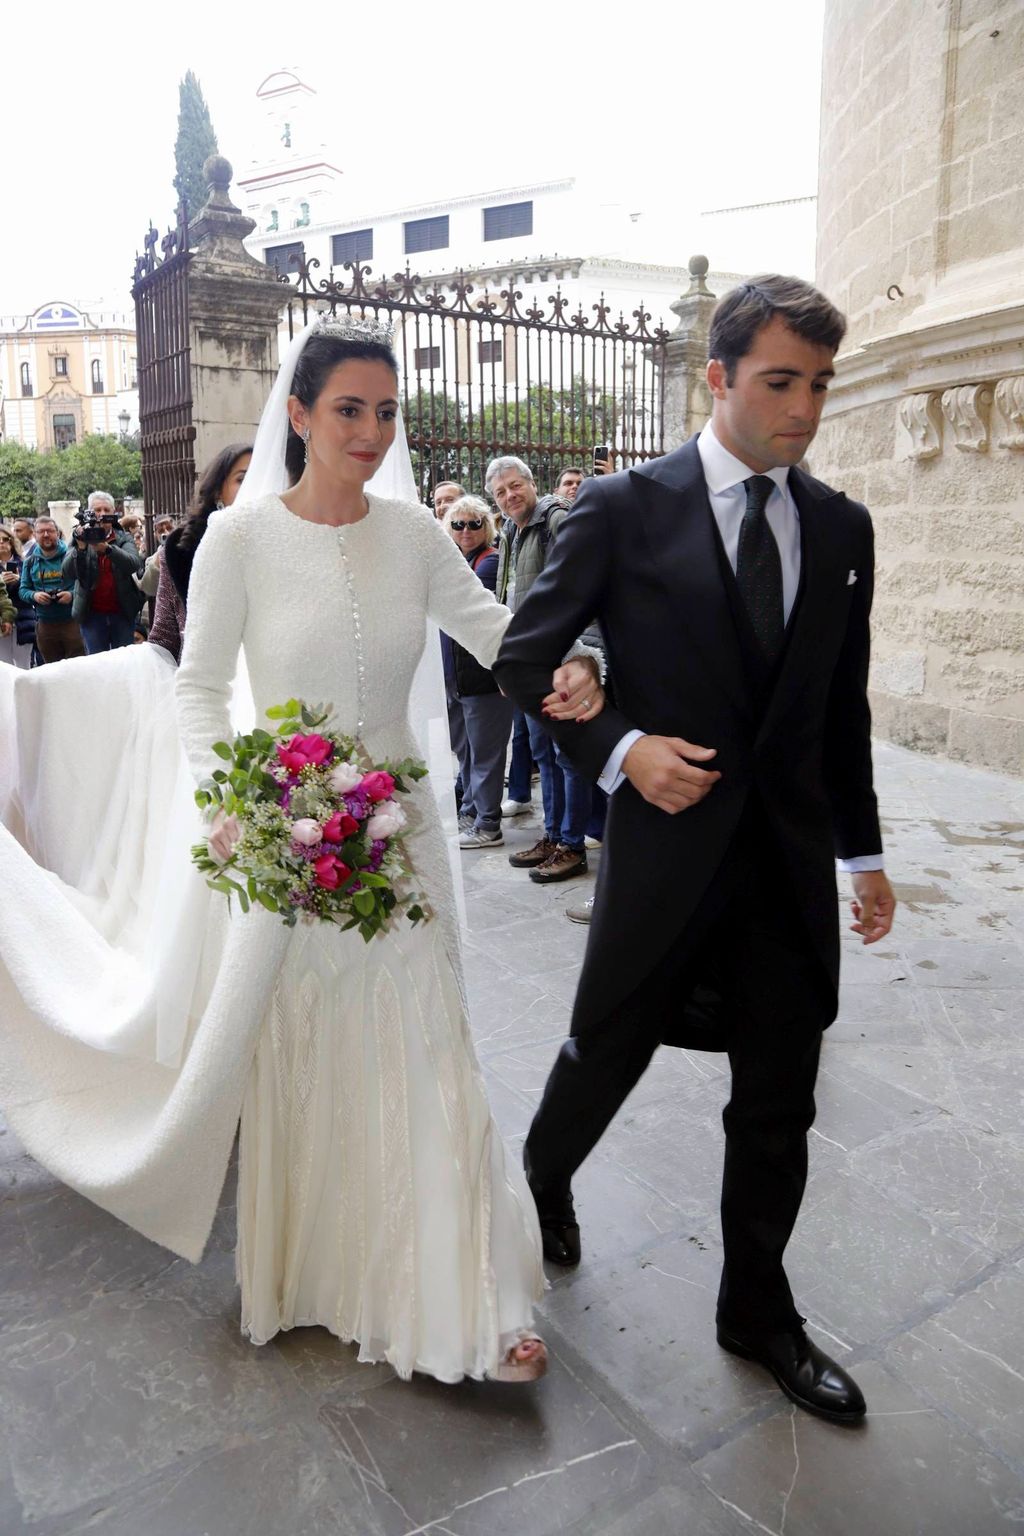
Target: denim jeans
[
  {"x": 106, "y": 632},
  {"x": 565, "y": 792},
  {"x": 520, "y": 768}
]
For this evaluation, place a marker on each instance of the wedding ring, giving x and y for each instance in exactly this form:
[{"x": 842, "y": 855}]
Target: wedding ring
[{"x": 585, "y": 704}]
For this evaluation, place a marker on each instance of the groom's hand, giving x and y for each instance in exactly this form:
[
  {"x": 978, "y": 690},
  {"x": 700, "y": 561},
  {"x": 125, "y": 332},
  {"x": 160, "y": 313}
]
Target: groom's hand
[
  {"x": 664, "y": 770},
  {"x": 874, "y": 907}
]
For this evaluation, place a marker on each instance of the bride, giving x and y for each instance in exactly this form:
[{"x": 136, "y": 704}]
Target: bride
[{"x": 376, "y": 1198}]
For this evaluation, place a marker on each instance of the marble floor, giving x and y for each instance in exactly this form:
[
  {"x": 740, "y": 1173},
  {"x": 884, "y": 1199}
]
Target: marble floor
[{"x": 131, "y": 1406}]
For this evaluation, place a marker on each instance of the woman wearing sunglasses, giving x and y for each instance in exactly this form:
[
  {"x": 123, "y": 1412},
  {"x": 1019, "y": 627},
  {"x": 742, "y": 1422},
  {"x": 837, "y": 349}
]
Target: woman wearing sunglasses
[{"x": 479, "y": 717}]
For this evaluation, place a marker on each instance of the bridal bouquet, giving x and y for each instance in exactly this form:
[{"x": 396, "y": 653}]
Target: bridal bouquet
[{"x": 319, "y": 833}]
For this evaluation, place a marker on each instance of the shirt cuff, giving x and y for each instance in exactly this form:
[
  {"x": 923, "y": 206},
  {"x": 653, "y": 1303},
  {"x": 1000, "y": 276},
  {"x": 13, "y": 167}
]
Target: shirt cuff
[
  {"x": 612, "y": 774},
  {"x": 862, "y": 862}
]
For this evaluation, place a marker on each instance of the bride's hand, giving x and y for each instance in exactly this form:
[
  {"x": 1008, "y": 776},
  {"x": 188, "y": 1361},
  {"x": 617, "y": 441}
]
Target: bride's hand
[
  {"x": 578, "y": 694},
  {"x": 224, "y": 834}
]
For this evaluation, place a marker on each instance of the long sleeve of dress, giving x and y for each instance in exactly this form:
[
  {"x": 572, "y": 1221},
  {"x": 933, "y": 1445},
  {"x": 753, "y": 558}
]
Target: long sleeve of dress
[
  {"x": 217, "y": 606},
  {"x": 458, "y": 602}
]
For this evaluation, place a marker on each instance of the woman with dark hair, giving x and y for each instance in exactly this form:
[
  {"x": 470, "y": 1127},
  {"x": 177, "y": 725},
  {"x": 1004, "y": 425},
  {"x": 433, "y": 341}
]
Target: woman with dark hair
[
  {"x": 375, "y": 1196},
  {"x": 219, "y": 486},
  {"x": 17, "y": 646}
]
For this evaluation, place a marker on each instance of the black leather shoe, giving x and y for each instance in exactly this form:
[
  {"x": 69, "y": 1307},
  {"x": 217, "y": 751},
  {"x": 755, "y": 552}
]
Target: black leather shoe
[
  {"x": 559, "y": 1229},
  {"x": 804, "y": 1372}
]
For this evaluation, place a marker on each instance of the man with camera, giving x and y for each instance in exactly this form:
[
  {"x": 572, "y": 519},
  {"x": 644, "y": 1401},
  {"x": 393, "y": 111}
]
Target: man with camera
[
  {"x": 49, "y": 590},
  {"x": 103, "y": 565}
]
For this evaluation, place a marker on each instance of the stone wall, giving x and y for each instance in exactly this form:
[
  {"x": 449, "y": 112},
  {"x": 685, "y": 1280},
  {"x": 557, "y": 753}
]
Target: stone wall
[{"x": 921, "y": 240}]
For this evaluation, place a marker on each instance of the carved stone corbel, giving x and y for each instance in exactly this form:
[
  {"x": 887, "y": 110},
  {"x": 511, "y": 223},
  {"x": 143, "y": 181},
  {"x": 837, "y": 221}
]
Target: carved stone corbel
[
  {"x": 922, "y": 418},
  {"x": 1010, "y": 405},
  {"x": 966, "y": 408}
]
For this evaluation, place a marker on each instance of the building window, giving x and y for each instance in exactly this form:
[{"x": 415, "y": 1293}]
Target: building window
[
  {"x": 281, "y": 257},
  {"x": 63, "y": 431},
  {"x": 60, "y": 365},
  {"x": 303, "y": 218},
  {"x": 426, "y": 235},
  {"x": 273, "y": 221},
  {"x": 134, "y": 375},
  {"x": 97, "y": 377},
  {"x": 508, "y": 222},
  {"x": 26, "y": 380},
  {"x": 428, "y": 358},
  {"x": 489, "y": 351},
  {"x": 354, "y": 245}
]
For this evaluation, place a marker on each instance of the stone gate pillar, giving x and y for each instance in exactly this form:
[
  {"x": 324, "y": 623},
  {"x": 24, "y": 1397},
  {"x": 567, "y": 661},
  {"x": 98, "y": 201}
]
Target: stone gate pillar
[
  {"x": 235, "y": 305},
  {"x": 687, "y": 400}
]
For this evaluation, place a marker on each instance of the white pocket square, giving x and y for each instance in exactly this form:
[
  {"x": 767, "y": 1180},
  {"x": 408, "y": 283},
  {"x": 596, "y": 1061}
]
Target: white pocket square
[{"x": 851, "y": 578}]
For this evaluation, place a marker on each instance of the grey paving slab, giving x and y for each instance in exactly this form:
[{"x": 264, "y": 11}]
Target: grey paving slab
[
  {"x": 94, "y": 1400},
  {"x": 285, "y": 1478},
  {"x": 908, "y": 1472},
  {"x": 968, "y": 1359},
  {"x": 865, "y": 1261},
  {"x": 968, "y": 1182},
  {"x": 647, "y": 1326},
  {"x": 485, "y": 1461}
]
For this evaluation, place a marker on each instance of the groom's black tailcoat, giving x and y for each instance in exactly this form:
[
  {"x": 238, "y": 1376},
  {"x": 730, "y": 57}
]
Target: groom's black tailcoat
[{"x": 642, "y": 553}]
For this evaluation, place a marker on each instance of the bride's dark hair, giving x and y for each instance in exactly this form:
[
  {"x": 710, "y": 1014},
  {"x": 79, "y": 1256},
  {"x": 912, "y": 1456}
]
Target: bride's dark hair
[{"x": 320, "y": 356}]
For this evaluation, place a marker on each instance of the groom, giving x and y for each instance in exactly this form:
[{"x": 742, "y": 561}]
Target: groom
[{"x": 733, "y": 591}]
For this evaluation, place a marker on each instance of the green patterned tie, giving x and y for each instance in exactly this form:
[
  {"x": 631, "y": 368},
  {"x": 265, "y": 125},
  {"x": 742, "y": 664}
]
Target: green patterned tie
[{"x": 759, "y": 569}]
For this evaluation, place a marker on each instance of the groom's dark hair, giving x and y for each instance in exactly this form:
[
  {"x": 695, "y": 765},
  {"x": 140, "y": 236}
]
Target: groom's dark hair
[
  {"x": 318, "y": 360},
  {"x": 744, "y": 310}
]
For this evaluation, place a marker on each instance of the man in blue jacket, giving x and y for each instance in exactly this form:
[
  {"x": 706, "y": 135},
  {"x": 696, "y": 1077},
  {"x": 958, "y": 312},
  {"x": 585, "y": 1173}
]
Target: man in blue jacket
[{"x": 44, "y": 585}]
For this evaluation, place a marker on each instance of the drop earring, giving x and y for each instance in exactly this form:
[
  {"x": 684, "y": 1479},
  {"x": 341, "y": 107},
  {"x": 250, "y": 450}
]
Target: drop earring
[{"x": 305, "y": 446}]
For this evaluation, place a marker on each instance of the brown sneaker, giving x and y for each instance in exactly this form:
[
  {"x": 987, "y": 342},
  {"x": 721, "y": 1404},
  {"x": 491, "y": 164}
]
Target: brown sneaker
[
  {"x": 529, "y": 858},
  {"x": 562, "y": 865}
]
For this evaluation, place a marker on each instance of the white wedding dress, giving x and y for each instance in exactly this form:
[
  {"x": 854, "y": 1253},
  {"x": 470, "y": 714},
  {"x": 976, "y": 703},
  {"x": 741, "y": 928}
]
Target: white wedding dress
[{"x": 375, "y": 1195}]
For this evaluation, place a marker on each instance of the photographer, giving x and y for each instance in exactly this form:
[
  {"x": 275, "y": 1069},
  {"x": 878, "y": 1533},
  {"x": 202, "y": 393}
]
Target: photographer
[
  {"x": 45, "y": 586},
  {"x": 103, "y": 564}
]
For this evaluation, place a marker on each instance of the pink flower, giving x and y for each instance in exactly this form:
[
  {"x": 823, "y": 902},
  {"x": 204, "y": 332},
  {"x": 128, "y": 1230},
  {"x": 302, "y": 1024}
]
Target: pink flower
[
  {"x": 303, "y": 750},
  {"x": 307, "y": 832},
  {"x": 388, "y": 819},
  {"x": 330, "y": 872},
  {"x": 340, "y": 826},
  {"x": 344, "y": 776},
  {"x": 378, "y": 785}
]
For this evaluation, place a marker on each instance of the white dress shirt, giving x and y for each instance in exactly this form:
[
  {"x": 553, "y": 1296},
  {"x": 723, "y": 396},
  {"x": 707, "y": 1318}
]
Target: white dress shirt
[{"x": 724, "y": 475}]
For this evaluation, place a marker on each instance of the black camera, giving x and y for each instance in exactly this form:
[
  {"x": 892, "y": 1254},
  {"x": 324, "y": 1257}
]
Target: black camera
[{"x": 90, "y": 529}]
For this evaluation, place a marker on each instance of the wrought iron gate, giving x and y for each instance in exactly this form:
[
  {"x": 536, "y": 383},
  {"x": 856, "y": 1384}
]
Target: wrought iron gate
[
  {"x": 483, "y": 376},
  {"x": 166, "y": 433}
]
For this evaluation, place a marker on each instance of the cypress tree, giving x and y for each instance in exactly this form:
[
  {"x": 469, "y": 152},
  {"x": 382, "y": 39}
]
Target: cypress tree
[{"x": 196, "y": 140}]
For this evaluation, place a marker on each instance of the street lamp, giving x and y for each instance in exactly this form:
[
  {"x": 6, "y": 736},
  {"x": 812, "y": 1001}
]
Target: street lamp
[{"x": 124, "y": 419}]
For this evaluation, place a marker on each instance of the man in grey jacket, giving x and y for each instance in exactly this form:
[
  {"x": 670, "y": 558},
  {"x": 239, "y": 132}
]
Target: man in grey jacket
[{"x": 532, "y": 524}]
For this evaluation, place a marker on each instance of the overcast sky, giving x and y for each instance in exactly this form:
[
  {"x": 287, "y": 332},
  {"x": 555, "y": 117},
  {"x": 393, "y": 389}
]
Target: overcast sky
[{"x": 715, "y": 106}]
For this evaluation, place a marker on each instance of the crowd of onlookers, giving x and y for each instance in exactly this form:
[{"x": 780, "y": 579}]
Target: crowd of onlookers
[
  {"x": 61, "y": 598},
  {"x": 508, "y": 546}
]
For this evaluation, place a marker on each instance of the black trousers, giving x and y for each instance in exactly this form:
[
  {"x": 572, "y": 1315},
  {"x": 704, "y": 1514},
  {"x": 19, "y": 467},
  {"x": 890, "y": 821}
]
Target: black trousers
[{"x": 747, "y": 937}]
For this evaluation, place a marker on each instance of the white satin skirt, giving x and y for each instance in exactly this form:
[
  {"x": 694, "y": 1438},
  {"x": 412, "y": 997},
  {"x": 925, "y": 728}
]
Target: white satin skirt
[{"x": 376, "y": 1198}]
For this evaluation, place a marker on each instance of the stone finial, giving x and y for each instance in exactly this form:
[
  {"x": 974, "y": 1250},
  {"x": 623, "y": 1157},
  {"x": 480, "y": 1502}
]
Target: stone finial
[
  {"x": 698, "y": 269},
  {"x": 218, "y": 173},
  {"x": 219, "y": 227}
]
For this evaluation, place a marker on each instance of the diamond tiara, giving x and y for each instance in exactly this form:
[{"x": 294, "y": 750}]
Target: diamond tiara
[{"x": 353, "y": 328}]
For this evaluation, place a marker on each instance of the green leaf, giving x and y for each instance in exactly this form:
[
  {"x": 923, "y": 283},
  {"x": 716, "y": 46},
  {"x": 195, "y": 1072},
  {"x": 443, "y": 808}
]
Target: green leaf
[
  {"x": 363, "y": 902},
  {"x": 266, "y": 900},
  {"x": 223, "y": 750}
]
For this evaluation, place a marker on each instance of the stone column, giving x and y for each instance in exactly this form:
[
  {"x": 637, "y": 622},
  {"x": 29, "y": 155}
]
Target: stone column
[
  {"x": 235, "y": 305},
  {"x": 687, "y": 400}
]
